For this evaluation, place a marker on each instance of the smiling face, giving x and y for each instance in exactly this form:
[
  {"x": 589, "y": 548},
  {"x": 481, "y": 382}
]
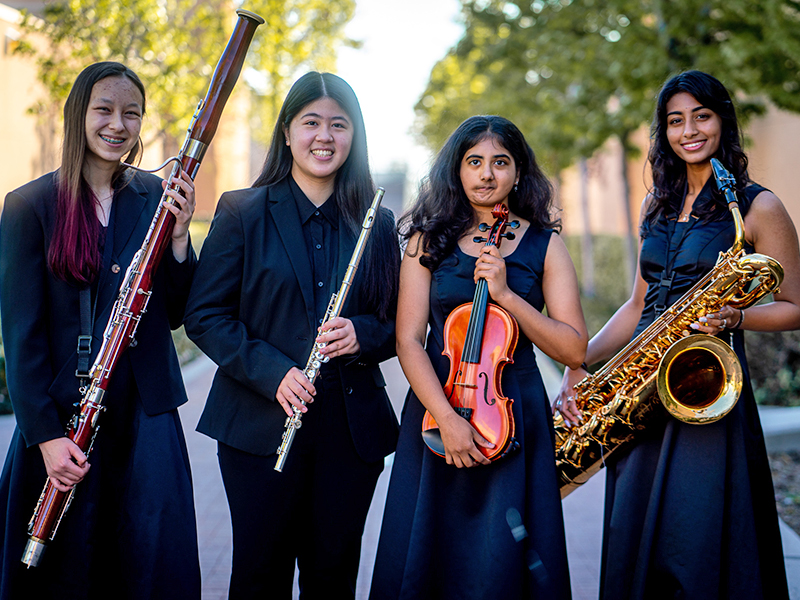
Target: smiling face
[
  {"x": 113, "y": 121},
  {"x": 320, "y": 137},
  {"x": 488, "y": 173},
  {"x": 693, "y": 131}
]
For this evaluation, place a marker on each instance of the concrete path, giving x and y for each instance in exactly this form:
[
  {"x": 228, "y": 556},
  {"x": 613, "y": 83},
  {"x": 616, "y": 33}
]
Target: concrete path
[{"x": 583, "y": 509}]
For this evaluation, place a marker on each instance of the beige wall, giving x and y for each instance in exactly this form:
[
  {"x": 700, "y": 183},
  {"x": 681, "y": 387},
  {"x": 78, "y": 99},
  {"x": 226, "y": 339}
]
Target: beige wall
[
  {"x": 773, "y": 145},
  {"x": 774, "y": 152},
  {"x": 28, "y": 145}
]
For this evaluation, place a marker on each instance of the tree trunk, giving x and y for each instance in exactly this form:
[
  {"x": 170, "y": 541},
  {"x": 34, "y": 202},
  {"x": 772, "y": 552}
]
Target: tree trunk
[
  {"x": 630, "y": 232},
  {"x": 587, "y": 246}
]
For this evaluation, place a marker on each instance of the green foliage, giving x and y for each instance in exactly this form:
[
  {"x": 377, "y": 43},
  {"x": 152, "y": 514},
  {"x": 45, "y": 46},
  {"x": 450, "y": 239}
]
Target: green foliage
[
  {"x": 572, "y": 73},
  {"x": 186, "y": 349},
  {"x": 198, "y": 230},
  {"x": 174, "y": 45},
  {"x": 774, "y": 360},
  {"x": 298, "y": 36},
  {"x": 611, "y": 287}
]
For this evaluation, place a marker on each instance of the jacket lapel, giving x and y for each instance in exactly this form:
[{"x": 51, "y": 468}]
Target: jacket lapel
[
  {"x": 130, "y": 203},
  {"x": 287, "y": 220},
  {"x": 127, "y": 216}
]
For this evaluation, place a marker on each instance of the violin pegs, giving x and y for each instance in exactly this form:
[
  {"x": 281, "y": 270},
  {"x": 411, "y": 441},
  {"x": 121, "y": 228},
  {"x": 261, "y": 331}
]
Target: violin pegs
[
  {"x": 483, "y": 227},
  {"x": 513, "y": 225},
  {"x": 509, "y": 235},
  {"x": 478, "y": 239}
]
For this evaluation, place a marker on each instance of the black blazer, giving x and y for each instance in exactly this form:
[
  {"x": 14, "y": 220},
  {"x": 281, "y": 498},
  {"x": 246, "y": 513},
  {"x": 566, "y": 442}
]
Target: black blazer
[
  {"x": 251, "y": 311},
  {"x": 41, "y": 314}
]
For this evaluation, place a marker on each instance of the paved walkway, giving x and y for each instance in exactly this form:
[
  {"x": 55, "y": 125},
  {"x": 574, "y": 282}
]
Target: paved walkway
[{"x": 583, "y": 508}]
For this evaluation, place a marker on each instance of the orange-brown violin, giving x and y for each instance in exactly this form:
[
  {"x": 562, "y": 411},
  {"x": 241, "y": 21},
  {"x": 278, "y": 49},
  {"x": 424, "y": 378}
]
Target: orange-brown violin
[{"x": 479, "y": 339}]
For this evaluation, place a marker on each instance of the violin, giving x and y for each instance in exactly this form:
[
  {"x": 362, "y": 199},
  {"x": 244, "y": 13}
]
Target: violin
[{"x": 479, "y": 339}]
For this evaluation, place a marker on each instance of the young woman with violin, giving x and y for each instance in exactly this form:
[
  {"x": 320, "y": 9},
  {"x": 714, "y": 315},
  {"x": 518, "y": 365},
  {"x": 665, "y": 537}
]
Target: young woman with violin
[
  {"x": 690, "y": 509},
  {"x": 273, "y": 257},
  {"x": 455, "y": 526},
  {"x": 70, "y": 235}
]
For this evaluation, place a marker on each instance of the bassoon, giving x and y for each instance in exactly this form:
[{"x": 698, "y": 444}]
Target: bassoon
[{"x": 136, "y": 288}]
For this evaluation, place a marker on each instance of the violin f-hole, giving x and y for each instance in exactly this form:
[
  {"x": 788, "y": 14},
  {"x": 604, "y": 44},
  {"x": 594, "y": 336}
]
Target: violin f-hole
[{"x": 486, "y": 388}]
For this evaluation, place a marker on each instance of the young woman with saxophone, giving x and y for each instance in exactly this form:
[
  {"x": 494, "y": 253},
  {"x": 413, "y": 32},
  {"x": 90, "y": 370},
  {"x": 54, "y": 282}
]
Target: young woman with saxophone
[
  {"x": 273, "y": 257},
  {"x": 460, "y": 527},
  {"x": 690, "y": 509},
  {"x": 66, "y": 240}
]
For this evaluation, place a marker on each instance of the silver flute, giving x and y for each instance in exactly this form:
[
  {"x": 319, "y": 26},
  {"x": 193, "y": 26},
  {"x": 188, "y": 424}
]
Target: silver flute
[{"x": 334, "y": 309}]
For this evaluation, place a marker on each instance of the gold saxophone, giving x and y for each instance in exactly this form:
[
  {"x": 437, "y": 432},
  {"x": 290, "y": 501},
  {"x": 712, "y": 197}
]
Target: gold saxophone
[{"x": 697, "y": 377}]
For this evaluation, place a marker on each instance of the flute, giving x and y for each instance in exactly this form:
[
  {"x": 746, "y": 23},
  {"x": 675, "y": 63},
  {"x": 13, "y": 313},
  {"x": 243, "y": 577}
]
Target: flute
[
  {"x": 334, "y": 309},
  {"x": 136, "y": 288}
]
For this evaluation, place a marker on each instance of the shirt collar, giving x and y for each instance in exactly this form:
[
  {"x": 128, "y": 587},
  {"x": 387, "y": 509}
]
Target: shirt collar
[{"x": 306, "y": 208}]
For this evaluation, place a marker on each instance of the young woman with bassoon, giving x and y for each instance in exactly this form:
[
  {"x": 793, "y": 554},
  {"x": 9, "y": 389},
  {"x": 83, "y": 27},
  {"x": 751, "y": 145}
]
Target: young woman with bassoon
[
  {"x": 690, "y": 510},
  {"x": 130, "y": 531},
  {"x": 273, "y": 257},
  {"x": 463, "y": 527}
]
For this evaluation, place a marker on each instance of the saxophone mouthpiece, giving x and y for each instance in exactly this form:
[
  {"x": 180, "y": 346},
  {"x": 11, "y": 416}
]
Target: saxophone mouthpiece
[{"x": 722, "y": 176}]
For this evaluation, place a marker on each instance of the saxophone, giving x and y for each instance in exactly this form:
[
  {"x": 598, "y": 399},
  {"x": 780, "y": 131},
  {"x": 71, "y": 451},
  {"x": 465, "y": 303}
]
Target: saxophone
[
  {"x": 697, "y": 377},
  {"x": 335, "y": 305}
]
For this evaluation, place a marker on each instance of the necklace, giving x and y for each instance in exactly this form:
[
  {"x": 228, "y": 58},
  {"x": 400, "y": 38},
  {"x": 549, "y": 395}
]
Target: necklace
[{"x": 684, "y": 217}]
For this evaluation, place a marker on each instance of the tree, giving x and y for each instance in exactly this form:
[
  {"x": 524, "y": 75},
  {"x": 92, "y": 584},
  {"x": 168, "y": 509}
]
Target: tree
[
  {"x": 174, "y": 45},
  {"x": 575, "y": 72},
  {"x": 572, "y": 73}
]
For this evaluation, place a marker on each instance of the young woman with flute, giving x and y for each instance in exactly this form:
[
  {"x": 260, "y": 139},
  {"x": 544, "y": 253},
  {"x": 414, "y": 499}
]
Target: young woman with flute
[
  {"x": 130, "y": 531},
  {"x": 690, "y": 509},
  {"x": 273, "y": 257},
  {"x": 459, "y": 526}
]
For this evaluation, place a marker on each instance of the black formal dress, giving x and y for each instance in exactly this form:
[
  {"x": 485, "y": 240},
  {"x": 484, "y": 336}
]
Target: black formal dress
[
  {"x": 446, "y": 532},
  {"x": 266, "y": 273},
  {"x": 690, "y": 509},
  {"x": 130, "y": 531}
]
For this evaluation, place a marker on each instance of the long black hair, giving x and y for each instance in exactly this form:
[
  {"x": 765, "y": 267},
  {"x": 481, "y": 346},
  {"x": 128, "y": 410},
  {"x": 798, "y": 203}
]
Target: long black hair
[
  {"x": 442, "y": 212},
  {"x": 353, "y": 187},
  {"x": 669, "y": 171}
]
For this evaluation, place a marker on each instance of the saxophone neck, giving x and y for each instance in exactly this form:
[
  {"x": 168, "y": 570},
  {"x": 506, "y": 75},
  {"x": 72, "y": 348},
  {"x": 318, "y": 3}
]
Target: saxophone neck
[
  {"x": 726, "y": 183},
  {"x": 738, "y": 222}
]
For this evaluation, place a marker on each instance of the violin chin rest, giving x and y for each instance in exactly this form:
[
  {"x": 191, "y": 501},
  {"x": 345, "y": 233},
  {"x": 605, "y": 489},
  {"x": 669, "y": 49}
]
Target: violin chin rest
[{"x": 433, "y": 440}]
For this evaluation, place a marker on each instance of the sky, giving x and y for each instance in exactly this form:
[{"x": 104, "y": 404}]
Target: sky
[{"x": 401, "y": 41}]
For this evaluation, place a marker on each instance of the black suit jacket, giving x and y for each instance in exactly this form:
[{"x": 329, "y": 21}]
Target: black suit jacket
[
  {"x": 41, "y": 314},
  {"x": 251, "y": 311}
]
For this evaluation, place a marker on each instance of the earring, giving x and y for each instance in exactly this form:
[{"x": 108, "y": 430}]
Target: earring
[{"x": 515, "y": 188}]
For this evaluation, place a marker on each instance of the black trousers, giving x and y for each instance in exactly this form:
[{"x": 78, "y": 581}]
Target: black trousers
[{"x": 312, "y": 512}]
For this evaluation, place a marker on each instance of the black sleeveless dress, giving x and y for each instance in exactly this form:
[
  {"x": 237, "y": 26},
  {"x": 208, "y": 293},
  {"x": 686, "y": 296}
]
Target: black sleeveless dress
[
  {"x": 445, "y": 531},
  {"x": 690, "y": 510}
]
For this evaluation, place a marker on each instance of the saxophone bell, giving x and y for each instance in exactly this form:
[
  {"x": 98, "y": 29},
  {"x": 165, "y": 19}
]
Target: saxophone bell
[{"x": 699, "y": 379}]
